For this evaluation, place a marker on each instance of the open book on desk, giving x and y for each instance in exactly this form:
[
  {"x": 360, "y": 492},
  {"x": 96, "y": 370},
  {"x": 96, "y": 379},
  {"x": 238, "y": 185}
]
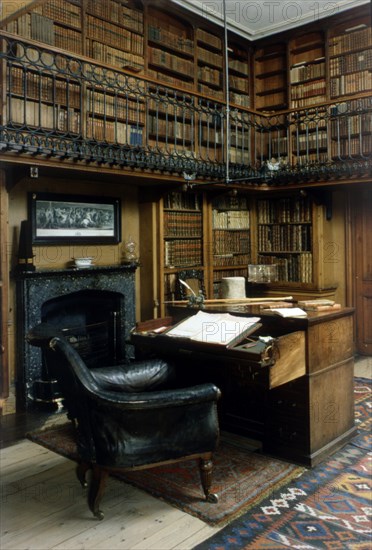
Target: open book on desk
[{"x": 215, "y": 328}]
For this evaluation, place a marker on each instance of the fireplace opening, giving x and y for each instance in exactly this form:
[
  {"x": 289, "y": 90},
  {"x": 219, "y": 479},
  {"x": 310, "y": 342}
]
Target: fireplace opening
[{"x": 90, "y": 321}]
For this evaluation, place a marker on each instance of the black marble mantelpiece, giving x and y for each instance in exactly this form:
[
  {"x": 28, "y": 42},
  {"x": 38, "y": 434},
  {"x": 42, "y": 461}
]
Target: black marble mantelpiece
[{"x": 34, "y": 288}]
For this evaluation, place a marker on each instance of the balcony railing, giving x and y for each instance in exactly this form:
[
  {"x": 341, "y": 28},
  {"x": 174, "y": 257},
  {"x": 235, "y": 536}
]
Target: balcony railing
[{"x": 71, "y": 108}]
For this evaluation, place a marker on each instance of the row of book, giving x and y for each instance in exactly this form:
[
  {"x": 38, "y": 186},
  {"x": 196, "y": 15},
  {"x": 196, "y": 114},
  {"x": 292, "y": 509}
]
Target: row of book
[
  {"x": 114, "y": 132},
  {"x": 33, "y": 113},
  {"x": 351, "y": 83},
  {"x": 117, "y": 12},
  {"x": 118, "y": 58},
  {"x": 315, "y": 140},
  {"x": 169, "y": 129},
  {"x": 210, "y": 57},
  {"x": 62, "y": 11},
  {"x": 210, "y": 75},
  {"x": 120, "y": 107},
  {"x": 168, "y": 79},
  {"x": 357, "y": 40},
  {"x": 230, "y": 242},
  {"x": 231, "y": 202},
  {"x": 68, "y": 39},
  {"x": 239, "y": 66},
  {"x": 307, "y": 101},
  {"x": 353, "y": 147},
  {"x": 183, "y": 253},
  {"x": 307, "y": 71},
  {"x": 34, "y": 85},
  {"x": 243, "y": 100},
  {"x": 182, "y": 201},
  {"x": 350, "y": 63},
  {"x": 170, "y": 61},
  {"x": 170, "y": 36},
  {"x": 110, "y": 34},
  {"x": 209, "y": 38},
  {"x": 284, "y": 238},
  {"x": 230, "y": 219},
  {"x": 284, "y": 210},
  {"x": 230, "y": 259},
  {"x": 238, "y": 82},
  {"x": 210, "y": 92},
  {"x": 309, "y": 89},
  {"x": 297, "y": 268},
  {"x": 352, "y": 124},
  {"x": 183, "y": 224}
]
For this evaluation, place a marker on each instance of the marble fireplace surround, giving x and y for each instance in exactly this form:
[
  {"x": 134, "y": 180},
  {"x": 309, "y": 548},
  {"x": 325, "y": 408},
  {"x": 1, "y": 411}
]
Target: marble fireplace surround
[{"x": 35, "y": 288}]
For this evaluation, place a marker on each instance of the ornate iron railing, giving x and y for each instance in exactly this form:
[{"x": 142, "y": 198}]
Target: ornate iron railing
[{"x": 67, "y": 107}]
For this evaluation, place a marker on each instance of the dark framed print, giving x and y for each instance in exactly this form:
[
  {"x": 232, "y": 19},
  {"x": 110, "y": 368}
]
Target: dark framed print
[{"x": 57, "y": 218}]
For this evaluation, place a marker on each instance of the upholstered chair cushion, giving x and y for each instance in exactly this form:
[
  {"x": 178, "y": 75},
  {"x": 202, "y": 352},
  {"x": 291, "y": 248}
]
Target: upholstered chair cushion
[{"x": 148, "y": 375}]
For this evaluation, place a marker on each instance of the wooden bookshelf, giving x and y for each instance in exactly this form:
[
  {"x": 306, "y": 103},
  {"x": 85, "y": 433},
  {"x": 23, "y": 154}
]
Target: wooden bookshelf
[
  {"x": 231, "y": 242},
  {"x": 350, "y": 58},
  {"x": 307, "y": 70},
  {"x": 284, "y": 237},
  {"x": 271, "y": 87},
  {"x": 114, "y": 34},
  {"x": 182, "y": 223},
  {"x": 56, "y": 22},
  {"x": 170, "y": 49}
]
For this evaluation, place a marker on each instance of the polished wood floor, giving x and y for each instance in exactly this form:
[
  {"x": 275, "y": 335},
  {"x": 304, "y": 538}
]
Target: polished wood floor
[{"x": 43, "y": 506}]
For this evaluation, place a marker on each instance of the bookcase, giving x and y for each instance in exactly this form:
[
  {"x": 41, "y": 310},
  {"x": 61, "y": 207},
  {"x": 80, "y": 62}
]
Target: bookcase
[
  {"x": 182, "y": 243},
  {"x": 114, "y": 34},
  {"x": 350, "y": 57},
  {"x": 270, "y": 69},
  {"x": 307, "y": 70},
  {"x": 229, "y": 253},
  {"x": 170, "y": 49},
  {"x": 284, "y": 237},
  {"x": 57, "y": 22}
]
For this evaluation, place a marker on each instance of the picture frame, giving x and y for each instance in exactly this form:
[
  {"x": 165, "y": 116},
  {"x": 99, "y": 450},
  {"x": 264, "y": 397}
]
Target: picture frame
[{"x": 74, "y": 219}]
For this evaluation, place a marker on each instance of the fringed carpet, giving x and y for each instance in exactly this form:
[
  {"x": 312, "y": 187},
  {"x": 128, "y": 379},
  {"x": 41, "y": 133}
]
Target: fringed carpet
[
  {"x": 328, "y": 507},
  {"x": 241, "y": 478}
]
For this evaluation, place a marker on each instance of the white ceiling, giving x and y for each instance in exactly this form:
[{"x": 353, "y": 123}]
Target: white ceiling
[{"x": 257, "y": 19}]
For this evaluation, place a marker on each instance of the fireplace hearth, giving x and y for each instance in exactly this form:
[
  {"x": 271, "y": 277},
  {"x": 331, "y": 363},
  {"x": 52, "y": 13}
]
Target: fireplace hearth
[{"x": 94, "y": 308}]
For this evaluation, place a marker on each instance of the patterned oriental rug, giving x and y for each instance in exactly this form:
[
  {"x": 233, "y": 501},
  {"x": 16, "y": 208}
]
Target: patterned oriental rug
[
  {"x": 328, "y": 507},
  {"x": 241, "y": 477}
]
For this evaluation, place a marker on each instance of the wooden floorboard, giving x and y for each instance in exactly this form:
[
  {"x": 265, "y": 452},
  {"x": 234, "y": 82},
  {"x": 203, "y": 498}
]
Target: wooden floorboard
[{"x": 44, "y": 507}]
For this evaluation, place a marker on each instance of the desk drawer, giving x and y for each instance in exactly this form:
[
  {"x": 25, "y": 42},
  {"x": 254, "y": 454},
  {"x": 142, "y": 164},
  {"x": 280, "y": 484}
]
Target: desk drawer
[{"x": 289, "y": 356}]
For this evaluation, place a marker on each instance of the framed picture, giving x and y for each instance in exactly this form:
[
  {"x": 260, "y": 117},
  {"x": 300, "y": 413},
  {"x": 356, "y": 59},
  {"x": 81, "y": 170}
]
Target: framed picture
[{"x": 74, "y": 219}]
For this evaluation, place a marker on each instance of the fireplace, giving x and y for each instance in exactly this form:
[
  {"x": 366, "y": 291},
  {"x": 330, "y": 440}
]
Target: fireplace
[{"x": 94, "y": 309}]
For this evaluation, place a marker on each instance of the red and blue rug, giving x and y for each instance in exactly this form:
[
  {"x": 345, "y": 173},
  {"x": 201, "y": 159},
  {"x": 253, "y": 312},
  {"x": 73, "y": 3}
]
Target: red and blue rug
[{"x": 328, "y": 507}]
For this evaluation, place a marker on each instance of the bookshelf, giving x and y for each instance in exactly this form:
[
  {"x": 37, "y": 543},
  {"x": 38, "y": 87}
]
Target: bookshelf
[
  {"x": 182, "y": 233},
  {"x": 56, "y": 22},
  {"x": 170, "y": 49},
  {"x": 209, "y": 48},
  {"x": 307, "y": 73},
  {"x": 271, "y": 89},
  {"x": 239, "y": 71},
  {"x": 350, "y": 58},
  {"x": 37, "y": 100},
  {"x": 284, "y": 237},
  {"x": 231, "y": 243},
  {"x": 114, "y": 34}
]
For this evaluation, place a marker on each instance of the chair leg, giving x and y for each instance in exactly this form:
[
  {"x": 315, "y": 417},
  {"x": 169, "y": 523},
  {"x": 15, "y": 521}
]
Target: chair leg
[
  {"x": 81, "y": 470},
  {"x": 96, "y": 490},
  {"x": 206, "y": 467}
]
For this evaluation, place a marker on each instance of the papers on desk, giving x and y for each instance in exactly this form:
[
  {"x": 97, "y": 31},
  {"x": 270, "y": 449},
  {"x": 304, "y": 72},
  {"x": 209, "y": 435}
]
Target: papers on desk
[
  {"x": 215, "y": 328},
  {"x": 289, "y": 312}
]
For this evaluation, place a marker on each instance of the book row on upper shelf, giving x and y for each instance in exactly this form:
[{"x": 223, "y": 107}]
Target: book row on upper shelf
[{"x": 182, "y": 53}]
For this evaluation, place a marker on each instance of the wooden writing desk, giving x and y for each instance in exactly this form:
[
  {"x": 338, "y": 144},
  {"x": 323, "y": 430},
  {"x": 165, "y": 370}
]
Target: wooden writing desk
[{"x": 299, "y": 402}]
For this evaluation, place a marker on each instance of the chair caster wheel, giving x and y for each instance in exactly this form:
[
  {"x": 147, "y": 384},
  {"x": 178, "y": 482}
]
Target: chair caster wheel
[{"x": 213, "y": 498}]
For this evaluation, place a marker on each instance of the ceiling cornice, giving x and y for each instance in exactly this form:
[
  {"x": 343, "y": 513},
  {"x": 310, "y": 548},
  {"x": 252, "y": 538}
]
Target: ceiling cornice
[{"x": 254, "y": 20}]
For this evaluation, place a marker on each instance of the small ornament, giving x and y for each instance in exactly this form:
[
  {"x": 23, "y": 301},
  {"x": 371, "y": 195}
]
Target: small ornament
[{"x": 130, "y": 255}]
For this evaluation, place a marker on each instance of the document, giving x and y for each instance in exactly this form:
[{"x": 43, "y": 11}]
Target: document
[
  {"x": 215, "y": 328},
  {"x": 290, "y": 312}
]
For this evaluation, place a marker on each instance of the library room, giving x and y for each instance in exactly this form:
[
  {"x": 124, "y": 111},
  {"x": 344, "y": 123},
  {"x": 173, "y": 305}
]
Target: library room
[{"x": 185, "y": 274}]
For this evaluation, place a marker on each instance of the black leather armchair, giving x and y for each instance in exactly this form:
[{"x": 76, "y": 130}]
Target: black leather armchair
[{"x": 131, "y": 416}]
